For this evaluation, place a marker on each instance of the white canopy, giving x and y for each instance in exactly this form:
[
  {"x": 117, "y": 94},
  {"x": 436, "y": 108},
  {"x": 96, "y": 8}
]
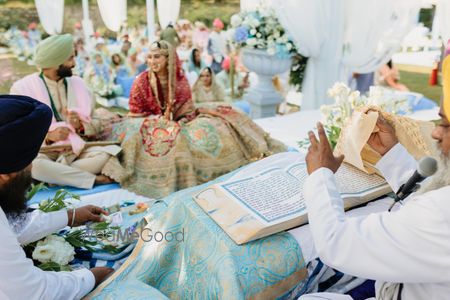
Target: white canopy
[
  {"x": 113, "y": 12},
  {"x": 168, "y": 12},
  {"x": 344, "y": 36},
  {"x": 51, "y": 15}
]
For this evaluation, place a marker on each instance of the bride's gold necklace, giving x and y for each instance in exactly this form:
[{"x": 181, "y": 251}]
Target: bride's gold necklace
[{"x": 163, "y": 81}]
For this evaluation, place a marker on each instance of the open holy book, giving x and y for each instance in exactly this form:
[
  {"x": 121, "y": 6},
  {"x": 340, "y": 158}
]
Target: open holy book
[{"x": 266, "y": 197}]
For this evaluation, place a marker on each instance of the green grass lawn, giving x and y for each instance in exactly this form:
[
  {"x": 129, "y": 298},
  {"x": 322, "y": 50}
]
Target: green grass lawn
[
  {"x": 418, "y": 82},
  {"x": 12, "y": 69}
]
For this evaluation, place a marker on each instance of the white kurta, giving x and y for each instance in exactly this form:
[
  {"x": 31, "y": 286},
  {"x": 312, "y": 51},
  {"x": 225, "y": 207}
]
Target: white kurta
[
  {"x": 410, "y": 245},
  {"x": 19, "y": 279}
]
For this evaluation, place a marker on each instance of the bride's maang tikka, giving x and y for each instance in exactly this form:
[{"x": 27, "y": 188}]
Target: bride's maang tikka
[{"x": 159, "y": 46}]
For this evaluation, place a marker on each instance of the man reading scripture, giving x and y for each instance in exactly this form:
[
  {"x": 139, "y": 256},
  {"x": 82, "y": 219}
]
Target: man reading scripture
[{"x": 407, "y": 250}]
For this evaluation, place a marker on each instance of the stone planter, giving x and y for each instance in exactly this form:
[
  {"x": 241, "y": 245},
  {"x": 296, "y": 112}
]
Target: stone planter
[{"x": 264, "y": 99}]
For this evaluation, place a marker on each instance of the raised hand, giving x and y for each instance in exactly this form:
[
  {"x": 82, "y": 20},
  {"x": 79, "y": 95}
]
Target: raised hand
[
  {"x": 320, "y": 154},
  {"x": 384, "y": 139}
]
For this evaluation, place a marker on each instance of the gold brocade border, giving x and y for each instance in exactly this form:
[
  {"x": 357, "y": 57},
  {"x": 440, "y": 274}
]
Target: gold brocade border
[{"x": 282, "y": 287}]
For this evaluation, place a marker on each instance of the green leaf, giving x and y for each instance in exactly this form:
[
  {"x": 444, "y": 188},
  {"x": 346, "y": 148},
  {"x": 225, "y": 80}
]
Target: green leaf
[
  {"x": 34, "y": 189},
  {"x": 52, "y": 266},
  {"x": 111, "y": 249},
  {"x": 57, "y": 203},
  {"x": 99, "y": 226}
]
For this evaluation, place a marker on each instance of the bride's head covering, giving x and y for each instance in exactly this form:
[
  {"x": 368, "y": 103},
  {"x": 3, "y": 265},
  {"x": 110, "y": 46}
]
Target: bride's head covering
[{"x": 174, "y": 69}]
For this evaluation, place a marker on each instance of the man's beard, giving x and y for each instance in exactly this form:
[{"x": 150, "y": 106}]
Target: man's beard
[
  {"x": 13, "y": 194},
  {"x": 64, "y": 71},
  {"x": 441, "y": 178}
]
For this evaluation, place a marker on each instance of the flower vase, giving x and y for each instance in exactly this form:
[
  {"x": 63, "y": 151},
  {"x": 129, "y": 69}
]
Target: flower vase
[{"x": 263, "y": 98}]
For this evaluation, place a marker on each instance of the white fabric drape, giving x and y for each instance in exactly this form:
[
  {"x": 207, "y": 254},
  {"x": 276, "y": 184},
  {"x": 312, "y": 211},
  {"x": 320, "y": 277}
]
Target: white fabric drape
[
  {"x": 344, "y": 36},
  {"x": 112, "y": 13},
  {"x": 374, "y": 31},
  {"x": 248, "y": 5},
  {"x": 168, "y": 12},
  {"x": 443, "y": 20},
  {"x": 317, "y": 28},
  {"x": 51, "y": 15},
  {"x": 124, "y": 10}
]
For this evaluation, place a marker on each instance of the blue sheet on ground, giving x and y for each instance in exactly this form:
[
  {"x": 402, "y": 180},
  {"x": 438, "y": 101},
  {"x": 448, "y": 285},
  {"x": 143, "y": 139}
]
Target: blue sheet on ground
[{"x": 50, "y": 192}]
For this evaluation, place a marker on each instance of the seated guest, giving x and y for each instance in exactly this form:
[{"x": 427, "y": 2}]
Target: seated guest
[
  {"x": 135, "y": 65},
  {"x": 364, "y": 81},
  {"x": 22, "y": 116},
  {"x": 122, "y": 74},
  {"x": 217, "y": 45},
  {"x": 126, "y": 46},
  {"x": 231, "y": 80},
  {"x": 72, "y": 105},
  {"x": 196, "y": 63},
  {"x": 200, "y": 36},
  {"x": 99, "y": 77},
  {"x": 388, "y": 76},
  {"x": 119, "y": 67},
  {"x": 81, "y": 58},
  {"x": 206, "y": 89},
  {"x": 100, "y": 47},
  {"x": 406, "y": 250},
  {"x": 170, "y": 35}
]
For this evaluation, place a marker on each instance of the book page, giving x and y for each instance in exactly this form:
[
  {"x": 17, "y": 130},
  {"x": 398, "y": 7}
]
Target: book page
[
  {"x": 272, "y": 189},
  {"x": 280, "y": 160},
  {"x": 365, "y": 183},
  {"x": 274, "y": 195}
]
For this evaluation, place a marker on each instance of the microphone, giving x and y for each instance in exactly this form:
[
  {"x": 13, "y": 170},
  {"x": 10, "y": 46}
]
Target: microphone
[{"x": 426, "y": 167}]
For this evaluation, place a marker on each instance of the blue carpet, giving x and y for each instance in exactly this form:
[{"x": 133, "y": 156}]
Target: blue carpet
[{"x": 50, "y": 192}]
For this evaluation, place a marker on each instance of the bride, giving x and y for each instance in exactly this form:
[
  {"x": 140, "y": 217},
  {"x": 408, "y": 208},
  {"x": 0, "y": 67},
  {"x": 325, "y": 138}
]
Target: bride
[{"x": 170, "y": 145}]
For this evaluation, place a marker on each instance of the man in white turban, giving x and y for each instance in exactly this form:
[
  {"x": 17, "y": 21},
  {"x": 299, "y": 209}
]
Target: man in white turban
[{"x": 72, "y": 107}]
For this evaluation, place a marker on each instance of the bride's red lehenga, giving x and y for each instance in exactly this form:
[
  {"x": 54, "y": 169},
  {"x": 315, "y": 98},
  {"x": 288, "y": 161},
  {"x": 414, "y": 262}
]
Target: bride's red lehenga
[{"x": 174, "y": 146}]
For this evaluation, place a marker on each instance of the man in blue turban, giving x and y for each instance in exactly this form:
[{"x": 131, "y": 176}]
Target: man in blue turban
[{"x": 19, "y": 279}]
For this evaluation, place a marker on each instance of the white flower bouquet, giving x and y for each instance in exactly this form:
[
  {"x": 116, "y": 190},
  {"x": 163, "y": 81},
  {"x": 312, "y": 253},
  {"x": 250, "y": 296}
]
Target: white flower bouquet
[
  {"x": 261, "y": 29},
  {"x": 56, "y": 251},
  {"x": 335, "y": 116}
]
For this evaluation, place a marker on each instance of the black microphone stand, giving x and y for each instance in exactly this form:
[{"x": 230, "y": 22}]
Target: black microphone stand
[{"x": 399, "y": 196}]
